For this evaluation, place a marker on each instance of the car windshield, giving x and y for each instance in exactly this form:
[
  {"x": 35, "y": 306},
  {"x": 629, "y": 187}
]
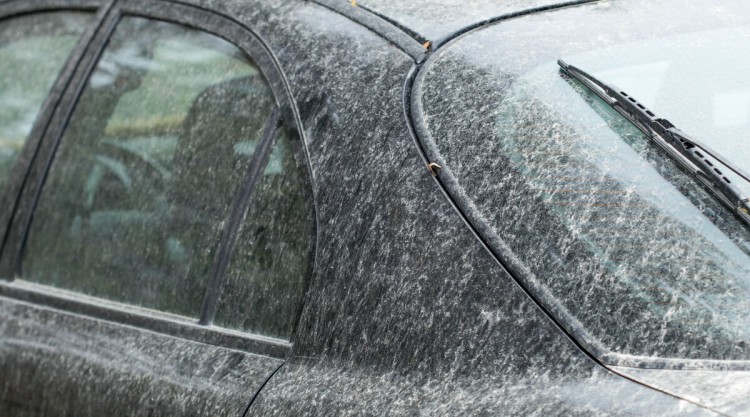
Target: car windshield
[{"x": 629, "y": 252}]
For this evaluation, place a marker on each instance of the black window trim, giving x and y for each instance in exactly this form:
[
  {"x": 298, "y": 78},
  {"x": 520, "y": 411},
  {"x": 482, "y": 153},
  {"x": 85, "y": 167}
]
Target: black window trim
[
  {"x": 240, "y": 205},
  {"x": 201, "y": 330}
]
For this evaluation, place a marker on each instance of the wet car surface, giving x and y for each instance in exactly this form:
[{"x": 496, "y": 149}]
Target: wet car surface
[{"x": 221, "y": 208}]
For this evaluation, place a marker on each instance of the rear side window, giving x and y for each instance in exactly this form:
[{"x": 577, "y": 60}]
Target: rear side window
[
  {"x": 263, "y": 286},
  {"x": 141, "y": 191},
  {"x": 33, "y": 50}
]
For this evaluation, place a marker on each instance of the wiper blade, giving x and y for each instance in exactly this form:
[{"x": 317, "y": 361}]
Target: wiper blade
[{"x": 696, "y": 157}]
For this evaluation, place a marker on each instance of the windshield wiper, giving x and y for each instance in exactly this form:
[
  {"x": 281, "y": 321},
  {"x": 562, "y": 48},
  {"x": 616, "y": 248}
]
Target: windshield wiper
[{"x": 703, "y": 162}]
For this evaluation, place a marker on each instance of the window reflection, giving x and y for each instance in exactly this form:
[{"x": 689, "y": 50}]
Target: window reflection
[{"x": 33, "y": 50}]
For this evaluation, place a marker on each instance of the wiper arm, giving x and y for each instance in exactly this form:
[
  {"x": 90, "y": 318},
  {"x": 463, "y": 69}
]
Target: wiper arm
[{"x": 696, "y": 157}]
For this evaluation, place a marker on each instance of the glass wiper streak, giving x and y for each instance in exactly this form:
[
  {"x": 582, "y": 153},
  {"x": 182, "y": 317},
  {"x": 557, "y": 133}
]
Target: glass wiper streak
[{"x": 696, "y": 157}]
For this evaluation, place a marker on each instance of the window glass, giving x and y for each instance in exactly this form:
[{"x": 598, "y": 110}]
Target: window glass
[
  {"x": 267, "y": 270},
  {"x": 142, "y": 184},
  {"x": 625, "y": 246},
  {"x": 33, "y": 50}
]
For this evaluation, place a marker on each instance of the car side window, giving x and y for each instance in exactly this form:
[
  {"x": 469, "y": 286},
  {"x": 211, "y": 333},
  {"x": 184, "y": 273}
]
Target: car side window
[
  {"x": 142, "y": 184},
  {"x": 265, "y": 277},
  {"x": 33, "y": 50}
]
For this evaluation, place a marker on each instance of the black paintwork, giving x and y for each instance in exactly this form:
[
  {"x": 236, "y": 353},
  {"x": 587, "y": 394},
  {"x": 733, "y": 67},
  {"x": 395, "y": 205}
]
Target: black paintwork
[{"x": 406, "y": 313}]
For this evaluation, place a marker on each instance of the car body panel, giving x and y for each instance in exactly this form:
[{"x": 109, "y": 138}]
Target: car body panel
[
  {"x": 55, "y": 363},
  {"x": 407, "y": 311},
  {"x": 396, "y": 321}
]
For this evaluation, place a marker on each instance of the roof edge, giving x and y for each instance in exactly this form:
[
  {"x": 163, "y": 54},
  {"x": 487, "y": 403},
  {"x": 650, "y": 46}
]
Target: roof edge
[{"x": 405, "y": 40}]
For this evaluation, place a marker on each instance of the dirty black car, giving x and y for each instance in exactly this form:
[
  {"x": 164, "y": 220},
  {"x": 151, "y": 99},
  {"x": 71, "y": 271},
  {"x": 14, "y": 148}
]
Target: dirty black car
[{"x": 327, "y": 207}]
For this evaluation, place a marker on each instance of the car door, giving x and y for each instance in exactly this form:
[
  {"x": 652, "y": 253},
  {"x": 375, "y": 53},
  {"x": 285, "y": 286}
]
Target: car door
[{"x": 161, "y": 227}]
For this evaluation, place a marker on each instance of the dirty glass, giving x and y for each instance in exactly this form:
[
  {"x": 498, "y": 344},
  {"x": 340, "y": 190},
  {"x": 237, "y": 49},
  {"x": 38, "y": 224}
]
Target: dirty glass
[
  {"x": 625, "y": 247},
  {"x": 268, "y": 268},
  {"x": 33, "y": 50},
  {"x": 137, "y": 196}
]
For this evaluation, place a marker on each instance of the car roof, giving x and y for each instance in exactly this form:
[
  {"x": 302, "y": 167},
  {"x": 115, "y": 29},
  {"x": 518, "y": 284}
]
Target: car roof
[{"x": 439, "y": 20}]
